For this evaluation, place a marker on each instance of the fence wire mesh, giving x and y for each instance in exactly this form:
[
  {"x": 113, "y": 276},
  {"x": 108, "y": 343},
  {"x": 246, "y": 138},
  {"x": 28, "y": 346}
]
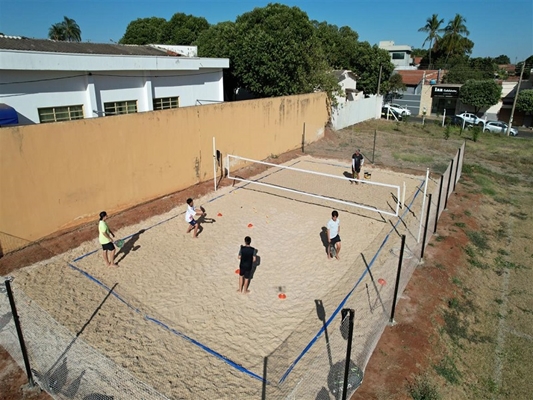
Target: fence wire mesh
[{"x": 308, "y": 364}]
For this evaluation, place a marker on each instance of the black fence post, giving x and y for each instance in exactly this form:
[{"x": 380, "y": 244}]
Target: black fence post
[
  {"x": 348, "y": 350},
  {"x": 438, "y": 203},
  {"x": 426, "y": 227},
  {"x": 374, "y": 147},
  {"x": 456, "y": 168},
  {"x": 398, "y": 274},
  {"x": 19, "y": 332},
  {"x": 449, "y": 182}
]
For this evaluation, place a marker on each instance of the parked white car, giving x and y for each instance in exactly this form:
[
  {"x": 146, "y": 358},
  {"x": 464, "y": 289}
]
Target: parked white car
[
  {"x": 398, "y": 109},
  {"x": 471, "y": 119},
  {"x": 499, "y": 127}
]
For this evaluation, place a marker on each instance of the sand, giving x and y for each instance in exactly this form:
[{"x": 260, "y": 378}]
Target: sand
[{"x": 175, "y": 320}]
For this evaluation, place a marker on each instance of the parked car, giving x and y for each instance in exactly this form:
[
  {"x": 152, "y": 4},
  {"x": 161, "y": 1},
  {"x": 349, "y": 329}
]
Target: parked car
[
  {"x": 401, "y": 110},
  {"x": 391, "y": 112},
  {"x": 499, "y": 127},
  {"x": 471, "y": 119}
]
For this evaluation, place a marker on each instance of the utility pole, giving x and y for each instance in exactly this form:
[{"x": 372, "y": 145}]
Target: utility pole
[
  {"x": 515, "y": 98},
  {"x": 379, "y": 78}
]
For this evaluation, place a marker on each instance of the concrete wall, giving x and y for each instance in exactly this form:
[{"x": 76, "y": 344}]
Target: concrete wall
[
  {"x": 348, "y": 113},
  {"x": 60, "y": 175}
]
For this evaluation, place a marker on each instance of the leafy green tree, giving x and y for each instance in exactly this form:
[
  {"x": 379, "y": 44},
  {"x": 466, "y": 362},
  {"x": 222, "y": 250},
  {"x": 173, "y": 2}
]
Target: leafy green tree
[
  {"x": 454, "y": 40},
  {"x": 502, "y": 59},
  {"x": 144, "y": 31},
  {"x": 524, "y": 102},
  {"x": 465, "y": 69},
  {"x": 276, "y": 53},
  {"x": 367, "y": 62},
  {"x": 218, "y": 42},
  {"x": 338, "y": 44},
  {"x": 416, "y": 52},
  {"x": 66, "y": 30},
  {"x": 480, "y": 94},
  {"x": 183, "y": 29},
  {"x": 393, "y": 86},
  {"x": 432, "y": 28}
]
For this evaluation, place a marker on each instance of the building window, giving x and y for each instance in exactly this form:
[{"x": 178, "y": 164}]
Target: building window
[
  {"x": 398, "y": 56},
  {"x": 167, "y": 102},
  {"x": 55, "y": 114},
  {"x": 120, "y": 107}
]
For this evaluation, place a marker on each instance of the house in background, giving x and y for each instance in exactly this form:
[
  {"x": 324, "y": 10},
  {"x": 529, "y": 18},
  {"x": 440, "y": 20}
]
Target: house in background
[
  {"x": 400, "y": 54},
  {"x": 49, "y": 81},
  {"x": 348, "y": 82}
]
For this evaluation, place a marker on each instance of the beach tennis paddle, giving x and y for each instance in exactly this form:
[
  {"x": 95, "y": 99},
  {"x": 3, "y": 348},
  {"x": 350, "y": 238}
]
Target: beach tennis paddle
[{"x": 120, "y": 243}]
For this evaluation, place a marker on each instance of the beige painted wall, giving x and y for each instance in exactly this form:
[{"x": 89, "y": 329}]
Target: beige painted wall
[{"x": 54, "y": 176}]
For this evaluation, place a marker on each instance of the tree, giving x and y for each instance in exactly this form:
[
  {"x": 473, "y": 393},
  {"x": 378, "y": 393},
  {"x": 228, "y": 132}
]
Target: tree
[
  {"x": 183, "y": 29},
  {"x": 366, "y": 65},
  {"x": 56, "y": 32},
  {"x": 144, "y": 31},
  {"x": 432, "y": 28},
  {"x": 502, "y": 59},
  {"x": 276, "y": 52},
  {"x": 480, "y": 94},
  {"x": 527, "y": 68},
  {"x": 393, "y": 86},
  {"x": 524, "y": 102},
  {"x": 338, "y": 44},
  {"x": 67, "y": 30},
  {"x": 454, "y": 41},
  {"x": 416, "y": 52},
  {"x": 72, "y": 30}
]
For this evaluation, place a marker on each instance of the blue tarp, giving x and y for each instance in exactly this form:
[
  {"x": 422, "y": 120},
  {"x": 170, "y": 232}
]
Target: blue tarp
[{"x": 8, "y": 115}]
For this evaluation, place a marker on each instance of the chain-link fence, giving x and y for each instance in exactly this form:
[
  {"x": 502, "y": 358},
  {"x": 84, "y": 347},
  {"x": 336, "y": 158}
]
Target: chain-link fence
[{"x": 310, "y": 362}]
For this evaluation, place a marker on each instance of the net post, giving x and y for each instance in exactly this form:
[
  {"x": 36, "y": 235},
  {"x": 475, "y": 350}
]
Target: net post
[
  {"x": 215, "y": 161},
  {"x": 396, "y": 287},
  {"x": 423, "y": 205},
  {"x": 351, "y": 312},
  {"x": 19, "y": 331},
  {"x": 303, "y": 140},
  {"x": 425, "y": 228}
]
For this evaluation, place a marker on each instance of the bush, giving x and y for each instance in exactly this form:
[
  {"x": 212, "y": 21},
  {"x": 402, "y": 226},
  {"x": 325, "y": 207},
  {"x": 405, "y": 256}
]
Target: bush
[
  {"x": 422, "y": 389},
  {"x": 476, "y": 131}
]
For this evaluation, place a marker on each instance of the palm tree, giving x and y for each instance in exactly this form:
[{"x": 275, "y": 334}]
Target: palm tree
[
  {"x": 432, "y": 28},
  {"x": 72, "y": 30},
  {"x": 454, "y": 39},
  {"x": 56, "y": 32}
]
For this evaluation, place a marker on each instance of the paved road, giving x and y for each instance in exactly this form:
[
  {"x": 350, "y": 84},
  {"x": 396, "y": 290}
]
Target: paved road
[{"x": 522, "y": 132}]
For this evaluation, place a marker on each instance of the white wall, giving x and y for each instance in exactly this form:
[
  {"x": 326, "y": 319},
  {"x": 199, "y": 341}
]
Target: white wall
[
  {"x": 26, "y": 91},
  {"x": 352, "y": 112}
]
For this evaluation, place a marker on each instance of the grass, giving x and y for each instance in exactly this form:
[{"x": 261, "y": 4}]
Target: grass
[
  {"x": 421, "y": 388},
  {"x": 448, "y": 370},
  {"x": 413, "y": 158}
]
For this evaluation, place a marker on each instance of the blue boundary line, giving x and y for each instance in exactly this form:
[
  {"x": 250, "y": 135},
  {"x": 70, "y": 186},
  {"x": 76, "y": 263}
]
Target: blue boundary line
[
  {"x": 339, "y": 307},
  {"x": 199, "y": 344}
]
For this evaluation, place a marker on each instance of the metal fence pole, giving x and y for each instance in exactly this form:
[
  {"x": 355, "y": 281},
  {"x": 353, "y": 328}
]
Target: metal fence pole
[
  {"x": 348, "y": 350},
  {"x": 374, "y": 146},
  {"x": 398, "y": 274},
  {"x": 449, "y": 182},
  {"x": 456, "y": 168},
  {"x": 438, "y": 203},
  {"x": 425, "y": 228},
  {"x": 19, "y": 331}
]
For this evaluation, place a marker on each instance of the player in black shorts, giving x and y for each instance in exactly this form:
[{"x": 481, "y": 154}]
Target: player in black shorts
[{"x": 247, "y": 257}]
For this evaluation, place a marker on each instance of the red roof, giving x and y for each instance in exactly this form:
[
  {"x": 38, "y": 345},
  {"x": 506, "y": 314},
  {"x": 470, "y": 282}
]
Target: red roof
[{"x": 412, "y": 77}]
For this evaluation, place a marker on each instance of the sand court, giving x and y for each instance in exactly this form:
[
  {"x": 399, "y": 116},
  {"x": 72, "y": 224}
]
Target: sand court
[{"x": 189, "y": 285}]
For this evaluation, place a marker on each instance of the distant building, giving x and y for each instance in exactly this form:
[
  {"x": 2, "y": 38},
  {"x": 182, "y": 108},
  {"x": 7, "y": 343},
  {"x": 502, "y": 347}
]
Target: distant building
[
  {"x": 49, "y": 81},
  {"x": 400, "y": 54}
]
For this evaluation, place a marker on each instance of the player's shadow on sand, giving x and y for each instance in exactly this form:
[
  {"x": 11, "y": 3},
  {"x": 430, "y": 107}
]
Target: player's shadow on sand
[
  {"x": 129, "y": 245},
  {"x": 255, "y": 265},
  {"x": 324, "y": 239}
]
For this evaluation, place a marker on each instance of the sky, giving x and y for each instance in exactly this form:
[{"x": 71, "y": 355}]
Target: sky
[{"x": 496, "y": 26}]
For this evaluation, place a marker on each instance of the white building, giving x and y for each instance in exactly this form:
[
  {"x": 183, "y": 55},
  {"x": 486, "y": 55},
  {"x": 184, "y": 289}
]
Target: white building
[
  {"x": 47, "y": 81},
  {"x": 400, "y": 54}
]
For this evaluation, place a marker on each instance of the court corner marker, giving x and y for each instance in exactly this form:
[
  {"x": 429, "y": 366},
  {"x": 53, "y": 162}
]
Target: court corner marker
[
  {"x": 282, "y": 296},
  {"x": 382, "y": 281},
  {"x": 250, "y": 226},
  {"x": 237, "y": 271},
  {"x": 219, "y": 215}
]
